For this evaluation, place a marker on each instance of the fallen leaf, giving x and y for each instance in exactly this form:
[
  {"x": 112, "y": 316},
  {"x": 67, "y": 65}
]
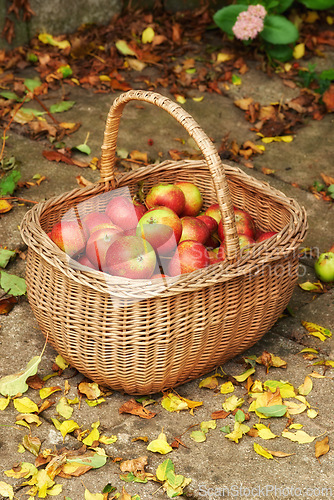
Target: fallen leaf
[
  {"x": 135, "y": 408},
  {"x": 6, "y": 490},
  {"x": 29, "y": 418},
  {"x": 32, "y": 444},
  {"x": 25, "y": 405},
  {"x": 6, "y": 305},
  {"x": 281, "y": 138},
  {"x": 232, "y": 403},
  {"x": 306, "y": 387},
  {"x": 90, "y": 389},
  {"x": 147, "y": 35},
  {"x": 171, "y": 402},
  {"x": 49, "y": 39},
  {"x": 328, "y": 180},
  {"x": 311, "y": 413},
  {"x": 264, "y": 432},
  {"x": 59, "y": 107},
  {"x": 5, "y": 206},
  {"x": 279, "y": 454},
  {"x": 272, "y": 411},
  {"x": 262, "y": 451},
  {"x": 198, "y": 436},
  {"x": 45, "y": 392},
  {"x": 300, "y": 437},
  {"x": 244, "y": 375},
  {"x": 299, "y": 51},
  {"x": 113, "y": 439},
  {"x": 64, "y": 409},
  {"x": 4, "y": 402},
  {"x": 285, "y": 388},
  {"x": 209, "y": 382},
  {"x": 295, "y": 408},
  {"x": 66, "y": 427},
  {"x": 23, "y": 470},
  {"x": 97, "y": 496},
  {"x": 316, "y": 330},
  {"x": 321, "y": 447},
  {"x": 123, "y": 48},
  {"x": 328, "y": 99},
  {"x": 135, "y": 465},
  {"x": 11, "y": 284},
  {"x": 238, "y": 431},
  {"x": 160, "y": 445},
  {"x": 220, "y": 414},
  {"x": 57, "y": 156},
  {"x": 227, "y": 387}
]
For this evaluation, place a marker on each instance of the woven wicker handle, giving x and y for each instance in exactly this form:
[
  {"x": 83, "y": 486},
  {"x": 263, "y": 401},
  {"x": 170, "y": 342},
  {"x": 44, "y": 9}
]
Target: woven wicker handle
[{"x": 208, "y": 150}]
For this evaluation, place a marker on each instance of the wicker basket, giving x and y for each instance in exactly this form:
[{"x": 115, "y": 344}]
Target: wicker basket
[{"x": 145, "y": 336}]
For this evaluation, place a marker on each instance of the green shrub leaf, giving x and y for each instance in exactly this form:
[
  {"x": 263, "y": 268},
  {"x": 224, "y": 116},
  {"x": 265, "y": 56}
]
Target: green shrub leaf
[
  {"x": 318, "y": 4},
  {"x": 226, "y": 17},
  {"x": 278, "y": 30}
]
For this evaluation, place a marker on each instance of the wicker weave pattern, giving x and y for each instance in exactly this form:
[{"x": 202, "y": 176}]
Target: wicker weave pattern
[{"x": 142, "y": 336}]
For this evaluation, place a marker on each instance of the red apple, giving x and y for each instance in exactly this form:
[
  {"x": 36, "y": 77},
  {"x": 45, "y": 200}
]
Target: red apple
[
  {"x": 216, "y": 256},
  {"x": 221, "y": 252},
  {"x": 245, "y": 240},
  {"x": 93, "y": 221},
  {"x": 193, "y": 197},
  {"x": 162, "y": 228},
  {"x": 194, "y": 229},
  {"x": 214, "y": 212},
  {"x": 166, "y": 195},
  {"x": 69, "y": 237},
  {"x": 265, "y": 236},
  {"x": 84, "y": 261},
  {"x": 212, "y": 242},
  {"x": 125, "y": 213},
  {"x": 98, "y": 244},
  {"x": 210, "y": 222},
  {"x": 189, "y": 256},
  {"x": 131, "y": 257},
  {"x": 244, "y": 223}
]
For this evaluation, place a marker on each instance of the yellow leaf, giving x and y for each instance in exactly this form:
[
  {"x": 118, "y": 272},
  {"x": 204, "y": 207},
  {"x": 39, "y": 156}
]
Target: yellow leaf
[
  {"x": 171, "y": 402},
  {"x": 180, "y": 98},
  {"x": 311, "y": 16},
  {"x": 232, "y": 403},
  {"x": 281, "y": 138},
  {"x": 45, "y": 392},
  {"x": 60, "y": 361},
  {"x": 6, "y": 490},
  {"x": 257, "y": 386},
  {"x": 23, "y": 423},
  {"x": 5, "y": 206},
  {"x": 30, "y": 418},
  {"x": 303, "y": 400},
  {"x": 295, "y": 426},
  {"x": 198, "y": 99},
  {"x": 209, "y": 382},
  {"x": 191, "y": 404},
  {"x": 226, "y": 388},
  {"x": 238, "y": 431},
  {"x": 264, "y": 432},
  {"x": 104, "y": 78},
  {"x": 67, "y": 426},
  {"x": 25, "y": 405},
  {"x": 26, "y": 469},
  {"x": 92, "y": 436},
  {"x": 316, "y": 330},
  {"x": 309, "y": 349},
  {"x": 224, "y": 57},
  {"x": 4, "y": 402},
  {"x": 123, "y": 48},
  {"x": 295, "y": 408},
  {"x": 311, "y": 413},
  {"x": 306, "y": 387},
  {"x": 300, "y": 437},
  {"x": 330, "y": 20},
  {"x": 94, "y": 496},
  {"x": 48, "y": 39},
  {"x": 321, "y": 447},
  {"x": 55, "y": 490},
  {"x": 244, "y": 375},
  {"x": 299, "y": 51},
  {"x": 147, "y": 35},
  {"x": 135, "y": 64},
  {"x": 21, "y": 448},
  {"x": 160, "y": 445},
  {"x": 109, "y": 440},
  {"x": 317, "y": 375},
  {"x": 67, "y": 126},
  {"x": 262, "y": 451},
  {"x": 64, "y": 409}
]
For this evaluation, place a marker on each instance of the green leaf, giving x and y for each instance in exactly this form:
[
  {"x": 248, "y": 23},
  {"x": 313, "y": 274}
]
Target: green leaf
[
  {"x": 9, "y": 182},
  {"x": 174, "y": 480},
  {"x": 15, "y": 384},
  {"x": 226, "y": 429},
  {"x": 5, "y": 256},
  {"x": 244, "y": 376},
  {"x": 272, "y": 411},
  {"x": 164, "y": 468},
  {"x": 109, "y": 488},
  {"x": 226, "y": 17},
  {"x": 327, "y": 74},
  {"x": 83, "y": 148},
  {"x": 32, "y": 83},
  {"x": 96, "y": 461},
  {"x": 59, "y": 107},
  {"x": 198, "y": 436},
  {"x": 130, "y": 477},
  {"x": 33, "y": 112},
  {"x": 283, "y": 5},
  {"x": 318, "y": 4},
  {"x": 64, "y": 409},
  {"x": 66, "y": 71},
  {"x": 12, "y": 284},
  {"x": 239, "y": 416},
  {"x": 278, "y": 30},
  {"x": 31, "y": 57},
  {"x": 123, "y": 48},
  {"x": 280, "y": 52},
  {"x": 7, "y": 94}
]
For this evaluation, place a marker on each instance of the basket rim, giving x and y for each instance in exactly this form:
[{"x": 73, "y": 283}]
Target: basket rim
[{"x": 283, "y": 244}]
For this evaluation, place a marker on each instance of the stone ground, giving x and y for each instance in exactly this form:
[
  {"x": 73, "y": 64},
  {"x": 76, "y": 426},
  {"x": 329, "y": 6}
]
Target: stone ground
[{"x": 218, "y": 467}]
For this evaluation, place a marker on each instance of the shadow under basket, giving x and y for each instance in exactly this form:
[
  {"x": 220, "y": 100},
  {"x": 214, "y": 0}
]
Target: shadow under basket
[{"x": 143, "y": 336}]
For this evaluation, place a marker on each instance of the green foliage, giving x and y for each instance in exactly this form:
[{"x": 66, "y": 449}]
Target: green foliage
[
  {"x": 319, "y": 82},
  {"x": 12, "y": 284},
  {"x": 226, "y": 17},
  {"x": 278, "y": 30},
  {"x": 9, "y": 182},
  {"x": 317, "y": 4}
]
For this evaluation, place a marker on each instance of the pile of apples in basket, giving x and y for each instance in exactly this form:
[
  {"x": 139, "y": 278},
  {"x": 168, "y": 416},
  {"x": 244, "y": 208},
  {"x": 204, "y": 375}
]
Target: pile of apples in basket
[{"x": 166, "y": 235}]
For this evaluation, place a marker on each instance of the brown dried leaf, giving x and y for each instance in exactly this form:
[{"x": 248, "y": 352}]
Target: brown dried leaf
[
  {"x": 328, "y": 180},
  {"x": 280, "y": 454},
  {"x": 45, "y": 405},
  {"x": 7, "y": 304},
  {"x": 135, "y": 408},
  {"x": 90, "y": 389},
  {"x": 321, "y": 447},
  {"x": 244, "y": 103},
  {"x": 220, "y": 414},
  {"x": 32, "y": 444},
  {"x": 58, "y": 156},
  {"x": 134, "y": 465},
  {"x": 328, "y": 99}
]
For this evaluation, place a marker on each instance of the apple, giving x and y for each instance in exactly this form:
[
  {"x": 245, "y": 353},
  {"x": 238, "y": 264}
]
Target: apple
[
  {"x": 244, "y": 223},
  {"x": 189, "y": 256},
  {"x": 331, "y": 249},
  {"x": 214, "y": 212},
  {"x": 124, "y": 213},
  {"x": 158, "y": 276},
  {"x": 245, "y": 240},
  {"x": 194, "y": 229},
  {"x": 324, "y": 267},
  {"x": 131, "y": 257},
  {"x": 212, "y": 242},
  {"x": 166, "y": 195},
  {"x": 93, "y": 221},
  {"x": 216, "y": 255},
  {"x": 162, "y": 228},
  {"x": 84, "y": 261},
  {"x": 193, "y": 198},
  {"x": 98, "y": 244},
  {"x": 265, "y": 236},
  {"x": 69, "y": 237},
  {"x": 209, "y": 221}
]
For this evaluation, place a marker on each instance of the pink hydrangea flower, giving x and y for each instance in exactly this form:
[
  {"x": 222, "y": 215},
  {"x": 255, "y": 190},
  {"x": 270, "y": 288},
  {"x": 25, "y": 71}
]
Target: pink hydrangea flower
[{"x": 249, "y": 23}]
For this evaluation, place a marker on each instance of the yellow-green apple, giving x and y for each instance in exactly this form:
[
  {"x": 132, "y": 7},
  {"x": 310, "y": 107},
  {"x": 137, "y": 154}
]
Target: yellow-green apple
[
  {"x": 194, "y": 229},
  {"x": 193, "y": 198},
  {"x": 245, "y": 240},
  {"x": 98, "y": 244},
  {"x": 189, "y": 256},
  {"x": 95, "y": 220},
  {"x": 214, "y": 212},
  {"x": 69, "y": 236},
  {"x": 84, "y": 261},
  {"x": 209, "y": 221},
  {"x": 166, "y": 195},
  {"x": 265, "y": 236},
  {"x": 124, "y": 212},
  {"x": 131, "y": 257},
  {"x": 162, "y": 228},
  {"x": 324, "y": 267}
]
